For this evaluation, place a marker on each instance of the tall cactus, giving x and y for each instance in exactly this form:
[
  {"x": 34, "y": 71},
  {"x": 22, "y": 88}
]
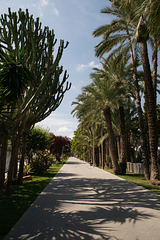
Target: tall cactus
[{"x": 33, "y": 46}]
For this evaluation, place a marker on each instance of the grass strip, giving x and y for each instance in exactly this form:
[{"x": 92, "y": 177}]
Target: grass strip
[
  {"x": 138, "y": 179},
  {"x": 14, "y": 206}
]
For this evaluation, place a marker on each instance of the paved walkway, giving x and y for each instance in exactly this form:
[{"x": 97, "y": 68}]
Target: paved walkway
[{"x": 84, "y": 202}]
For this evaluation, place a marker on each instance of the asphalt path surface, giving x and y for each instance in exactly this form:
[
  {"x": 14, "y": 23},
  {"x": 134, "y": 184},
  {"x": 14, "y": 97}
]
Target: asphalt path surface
[{"x": 85, "y": 202}]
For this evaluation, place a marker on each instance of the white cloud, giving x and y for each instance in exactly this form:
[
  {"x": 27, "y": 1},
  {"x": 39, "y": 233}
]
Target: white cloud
[
  {"x": 54, "y": 10},
  {"x": 63, "y": 130},
  {"x": 59, "y": 124},
  {"x": 44, "y": 3},
  {"x": 56, "y": 121},
  {"x": 73, "y": 88},
  {"x": 82, "y": 67}
]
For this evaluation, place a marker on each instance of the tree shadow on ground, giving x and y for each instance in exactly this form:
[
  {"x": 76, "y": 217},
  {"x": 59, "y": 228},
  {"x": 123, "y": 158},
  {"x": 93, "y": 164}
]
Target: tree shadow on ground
[{"x": 84, "y": 208}]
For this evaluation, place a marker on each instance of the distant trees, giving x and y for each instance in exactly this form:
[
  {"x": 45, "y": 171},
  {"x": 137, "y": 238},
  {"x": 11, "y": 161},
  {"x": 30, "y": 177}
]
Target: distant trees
[
  {"x": 107, "y": 93},
  {"x": 38, "y": 157},
  {"x": 59, "y": 145},
  {"x": 32, "y": 83},
  {"x": 43, "y": 148},
  {"x": 38, "y": 139}
]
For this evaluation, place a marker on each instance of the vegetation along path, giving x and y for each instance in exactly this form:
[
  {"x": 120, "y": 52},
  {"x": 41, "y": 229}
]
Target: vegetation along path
[{"x": 85, "y": 202}]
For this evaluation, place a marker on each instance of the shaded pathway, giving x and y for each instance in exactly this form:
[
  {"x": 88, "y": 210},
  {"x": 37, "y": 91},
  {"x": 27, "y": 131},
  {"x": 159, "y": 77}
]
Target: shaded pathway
[{"x": 84, "y": 202}]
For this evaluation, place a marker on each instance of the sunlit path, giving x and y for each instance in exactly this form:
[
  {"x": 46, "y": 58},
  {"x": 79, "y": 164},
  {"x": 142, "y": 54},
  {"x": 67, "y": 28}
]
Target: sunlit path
[{"x": 84, "y": 202}]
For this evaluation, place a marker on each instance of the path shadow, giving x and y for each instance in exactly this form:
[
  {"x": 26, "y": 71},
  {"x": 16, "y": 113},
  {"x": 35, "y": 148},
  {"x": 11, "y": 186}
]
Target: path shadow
[
  {"x": 92, "y": 204},
  {"x": 74, "y": 162}
]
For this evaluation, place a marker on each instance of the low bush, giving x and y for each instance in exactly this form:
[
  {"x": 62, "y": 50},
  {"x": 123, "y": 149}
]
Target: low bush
[
  {"x": 27, "y": 169},
  {"x": 40, "y": 162}
]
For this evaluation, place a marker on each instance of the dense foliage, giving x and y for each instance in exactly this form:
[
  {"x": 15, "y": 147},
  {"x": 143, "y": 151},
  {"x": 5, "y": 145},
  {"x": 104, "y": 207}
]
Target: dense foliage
[
  {"x": 32, "y": 84},
  {"x": 38, "y": 156},
  {"x": 38, "y": 139},
  {"x": 114, "y": 124}
]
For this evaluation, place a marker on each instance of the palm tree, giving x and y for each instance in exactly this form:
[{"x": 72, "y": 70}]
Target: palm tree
[
  {"x": 147, "y": 14},
  {"x": 117, "y": 71},
  {"x": 145, "y": 28},
  {"x": 150, "y": 11},
  {"x": 120, "y": 31},
  {"x": 90, "y": 120},
  {"x": 150, "y": 101},
  {"x": 106, "y": 92},
  {"x": 108, "y": 97}
]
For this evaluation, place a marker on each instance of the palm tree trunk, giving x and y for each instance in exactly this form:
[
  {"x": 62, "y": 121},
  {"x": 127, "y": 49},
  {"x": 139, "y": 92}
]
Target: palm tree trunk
[
  {"x": 93, "y": 156},
  {"x": 151, "y": 111},
  {"x": 129, "y": 155},
  {"x": 89, "y": 153},
  {"x": 97, "y": 150},
  {"x": 102, "y": 149},
  {"x": 113, "y": 152},
  {"x": 155, "y": 60},
  {"x": 3, "y": 155},
  {"x": 123, "y": 160},
  {"x": 123, "y": 134},
  {"x": 143, "y": 137},
  {"x": 107, "y": 152},
  {"x": 100, "y": 156},
  {"x": 119, "y": 148}
]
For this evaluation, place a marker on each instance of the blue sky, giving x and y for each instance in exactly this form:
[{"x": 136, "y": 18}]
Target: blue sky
[{"x": 73, "y": 21}]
